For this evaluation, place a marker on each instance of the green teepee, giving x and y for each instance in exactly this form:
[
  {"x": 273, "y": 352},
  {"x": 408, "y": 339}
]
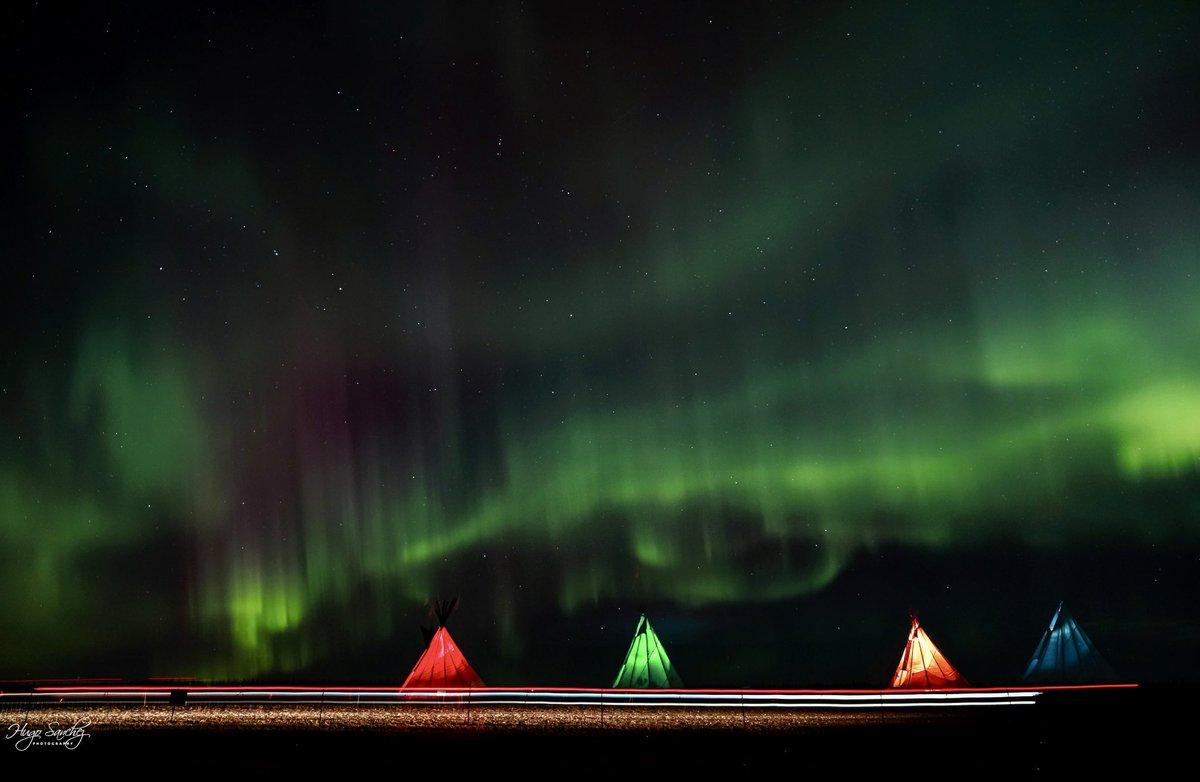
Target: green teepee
[{"x": 647, "y": 664}]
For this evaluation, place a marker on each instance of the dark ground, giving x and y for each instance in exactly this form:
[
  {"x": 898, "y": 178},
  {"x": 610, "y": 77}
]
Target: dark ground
[{"x": 1142, "y": 733}]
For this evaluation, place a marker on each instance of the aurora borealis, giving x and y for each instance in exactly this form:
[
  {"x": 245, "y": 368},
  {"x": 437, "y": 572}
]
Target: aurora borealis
[{"x": 313, "y": 313}]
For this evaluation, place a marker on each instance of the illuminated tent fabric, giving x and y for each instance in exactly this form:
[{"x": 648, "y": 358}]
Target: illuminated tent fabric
[
  {"x": 442, "y": 665},
  {"x": 923, "y": 666},
  {"x": 1067, "y": 656},
  {"x": 646, "y": 665}
]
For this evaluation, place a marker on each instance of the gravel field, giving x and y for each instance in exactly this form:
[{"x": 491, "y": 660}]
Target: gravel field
[
  {"x": 1130, "y": 733},
  {"x": 388, "y": 718}
]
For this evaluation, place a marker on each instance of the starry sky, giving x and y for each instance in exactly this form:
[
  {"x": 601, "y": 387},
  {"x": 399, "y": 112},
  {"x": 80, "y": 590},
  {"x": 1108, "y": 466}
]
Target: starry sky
[{"x": 777, "y": 321}]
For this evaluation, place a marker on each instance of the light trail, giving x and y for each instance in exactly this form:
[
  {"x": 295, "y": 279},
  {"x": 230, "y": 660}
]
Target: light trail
[{"x": 537, "y": 696}]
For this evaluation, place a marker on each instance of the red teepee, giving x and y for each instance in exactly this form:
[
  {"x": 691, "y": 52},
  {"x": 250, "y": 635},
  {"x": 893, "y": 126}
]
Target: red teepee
[
  {"x": 442, "y": 665},
  {"x": 923, "y": 666}
]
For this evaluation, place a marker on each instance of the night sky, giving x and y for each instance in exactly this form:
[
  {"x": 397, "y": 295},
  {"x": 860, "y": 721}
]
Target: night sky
[{"x": 776, "y": 321}]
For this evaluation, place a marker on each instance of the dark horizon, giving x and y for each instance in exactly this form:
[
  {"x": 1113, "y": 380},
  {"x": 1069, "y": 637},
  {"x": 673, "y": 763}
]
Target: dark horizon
[
  {"x": 810, "y": 642},
  {"x": 775, "y": 322}
]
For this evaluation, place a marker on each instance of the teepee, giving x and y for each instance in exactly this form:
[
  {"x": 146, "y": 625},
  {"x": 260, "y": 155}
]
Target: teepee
[
  {"x": 646, "y": 665},
  {"x": 442, "y": 664},
  {"x": 923, "y": 666},
  {"x": 1067, "y": 656}
]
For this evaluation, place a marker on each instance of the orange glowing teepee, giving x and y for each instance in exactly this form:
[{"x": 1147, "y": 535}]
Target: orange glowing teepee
[
  {"x": 442, "y": 664},
  {"x": 923, "y": 666}
]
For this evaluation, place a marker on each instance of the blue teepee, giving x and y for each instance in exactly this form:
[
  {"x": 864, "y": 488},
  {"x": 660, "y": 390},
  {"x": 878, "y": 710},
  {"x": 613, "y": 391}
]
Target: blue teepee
[{"x": 1067, "y": 656}]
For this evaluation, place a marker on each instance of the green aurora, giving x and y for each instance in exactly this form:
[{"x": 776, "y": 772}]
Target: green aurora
[{"x": 699, "y": 316}]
